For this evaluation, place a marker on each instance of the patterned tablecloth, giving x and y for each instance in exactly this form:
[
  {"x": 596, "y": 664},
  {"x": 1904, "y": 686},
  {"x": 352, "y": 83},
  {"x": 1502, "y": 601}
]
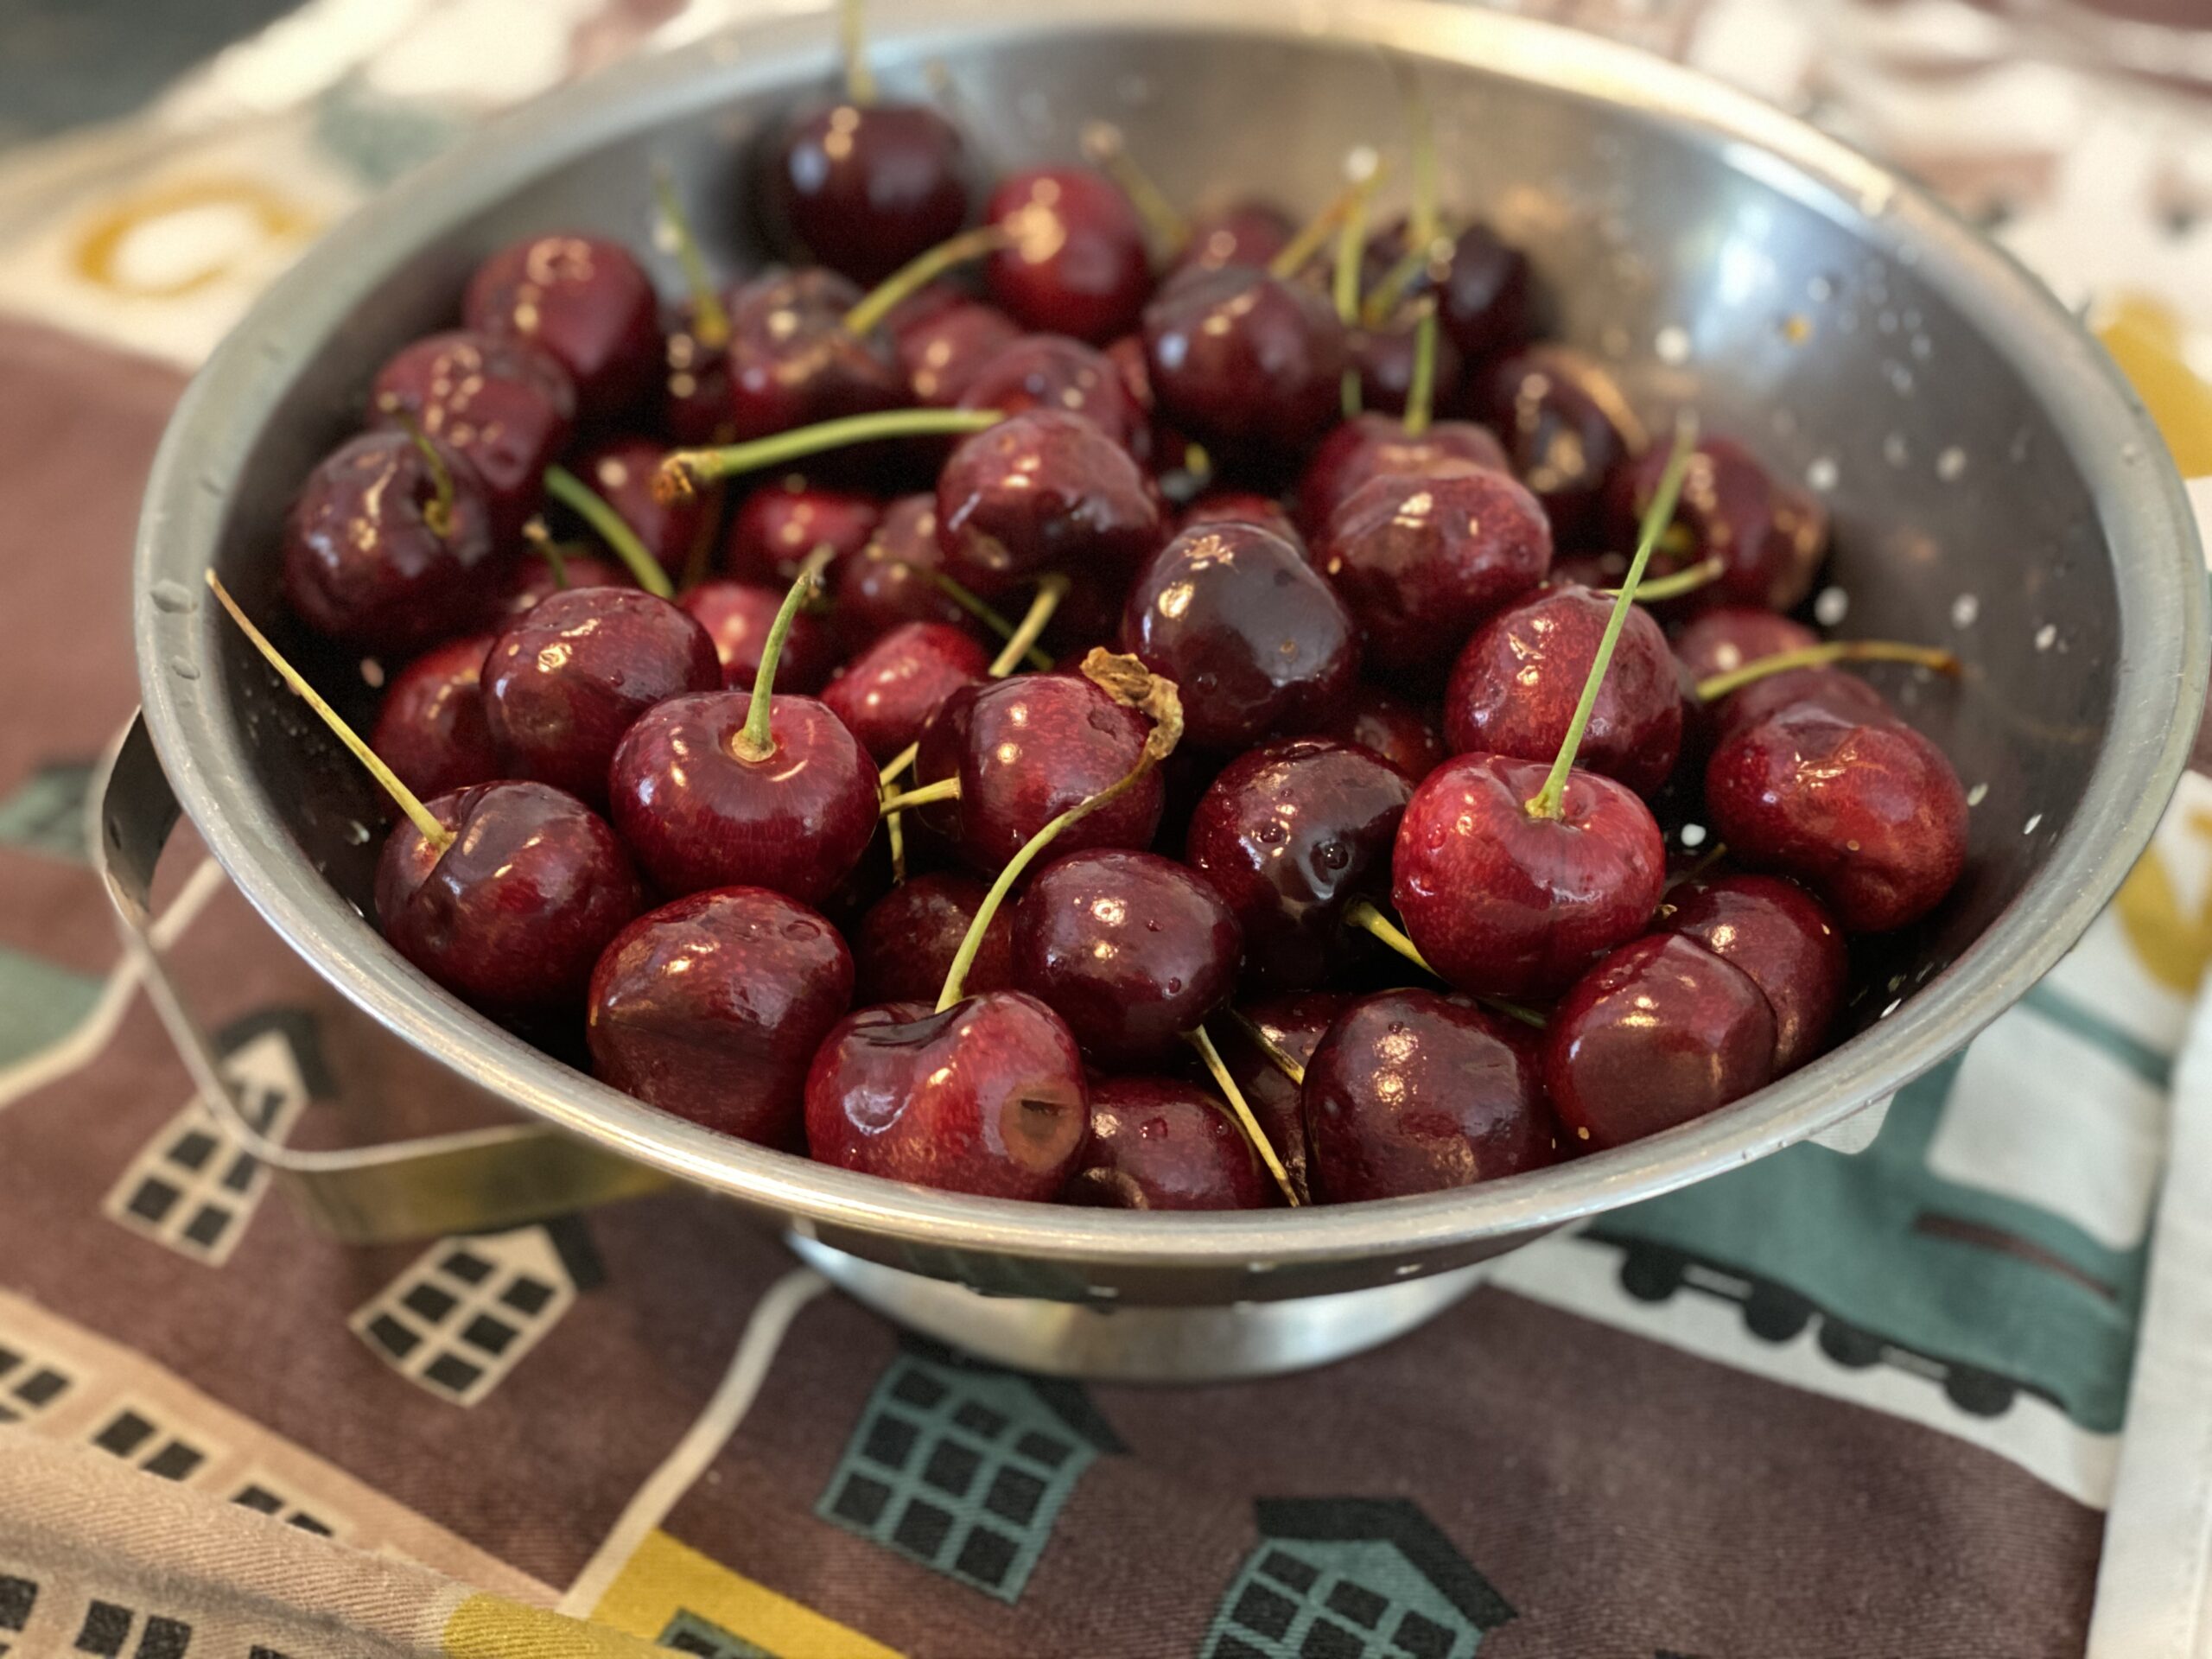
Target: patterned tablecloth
[{"x": 1948, "y": 1394}]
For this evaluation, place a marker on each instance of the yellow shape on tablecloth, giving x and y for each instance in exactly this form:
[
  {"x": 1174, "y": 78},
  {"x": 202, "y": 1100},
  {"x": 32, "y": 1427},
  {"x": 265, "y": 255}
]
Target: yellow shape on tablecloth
[
  {"x": 2173, "y": 944},
  {"x": 663, "y": 1579},
  {"x": 491, "y": 1627},
  {"x": 268, "y": 216},
  {"x": 2145, "y": 337}
]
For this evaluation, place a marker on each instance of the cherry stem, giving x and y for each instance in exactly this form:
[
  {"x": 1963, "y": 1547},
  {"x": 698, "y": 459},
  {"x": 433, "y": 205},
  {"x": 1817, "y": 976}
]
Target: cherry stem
[
  {"x": 547, "y": 549},
  {"x": 587, "y": 504},
  {"x": 1199, "y": 1041},
  {"x": 1686, "y": 581},
  {"x": 899, "y": 762},
  {"x": 1420, "y": 121},
  {"x": 1711, "y": 856},
  {"x": 439, "y": 514},
  {"x": 924, "y": 268},
  {"x": 683, "y": 471},
  {"x": 1365, "y": 169},
  {"x": 1717, "y": 686},
  {"x": 1364, "y": 915},
  {"x": 1351, "y": 237},
  {"x": 945, "y": 789},
  {"x": 860, "y": 79},
  {"x": 1432, "y": 255},
  {"x": 1549, "y": 802},
  {"x": 1421, "y": 396},
  {"x": 757, "y": 741},
  {"x": 981, "y": 609},
  {"x": 1107, "y": 149},
  {"x": 1050, "y": 592},
  {"x": 709, "y": 321},
  {"x": 1275, "y": 1054},
  {"x": 1020, "y": 647},
  {"x": 409, "y": 803}
]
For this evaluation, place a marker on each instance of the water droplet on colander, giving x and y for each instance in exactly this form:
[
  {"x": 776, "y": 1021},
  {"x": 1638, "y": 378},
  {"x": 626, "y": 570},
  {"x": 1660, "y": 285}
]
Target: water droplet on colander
[
  {"x": 1832, "y": 605},
  {"x": 1951, "y": 464},
  {"x": 1823, "y": 474},
  {"x": 2046, "y": 636},
  {"x": 1964, "y": 609},
  {"x": 1673, "y": 344},
  {"x": 184, "y": 668},
  {"x": 171, "y": 596}
]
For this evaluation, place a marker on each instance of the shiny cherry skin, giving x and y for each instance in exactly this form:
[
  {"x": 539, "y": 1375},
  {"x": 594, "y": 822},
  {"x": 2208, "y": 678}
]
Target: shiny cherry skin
[
  {"x": 712, "y": 1007},
  {"x": 1242, "y": 507},
  {"x": 1377, "y": 446},
  {"x": 1721, "y": 641},
  {"x": 1770, "y": 537},
  {"x": 1296, "y": 1025},
  {"x": 810, "y": 294},
  {"x": 1078, "y": 264},
  {"x": 1422, "y": 562},
  {"x": 586, "y": 301},
  {"x": 865, "y": 188},
  {"x": 1568, "y": 430},
  {"x": 1660, "y": 1033},
  {"x": 1779, "y": 936},
  {"x": 1254, "y": 637},
  {"x": 886, "y": 694},
  {"x": 622, "y": 471},
  {"x": 737, "y": 617},
  {"x": 697, "y": 814},
  {"x": 942, "y": 353},
  {"x": 511, "y": 916},
  {"x": 1289, "y": 835},
  {"x": 1503, "y": 903},
  {"x": 1396, "y": 731},
  {"x": 694, "y": 386},
  {"x": 1130, "y": 949},
  {"x": 507, "y": 405},
  {"x": 1870, "y": 816},
  {"x": 1487, "y": 302},
  {"x": 1244, "y": 362},
  {"x": 777, "y": 525},
  {"x": 1384, "y": 358},
  {"x": 430, "y": 727},
  {"x": 904, "y": 945},
  {"x": 1157, "y": 1143},
  {"x": 1515, "y": 687},
  {"x": 1246, "y": 233},
  {"x": 887, "y": 582},
  {"x": 1026, "y": 750},
  {"x": 988, "y": 1097},
  {"x": 1042, "y": 490},
  {"x": 1053, "y": 371},
  {"x": 530, "y": 579},
  {"x": 363, "y": 564},
  {"x": 793, "y": 365},
  {"x": 1413, "y": 1092},
  {"x": 1836, "y": 690},
  {"x": 563, "y": 681}
]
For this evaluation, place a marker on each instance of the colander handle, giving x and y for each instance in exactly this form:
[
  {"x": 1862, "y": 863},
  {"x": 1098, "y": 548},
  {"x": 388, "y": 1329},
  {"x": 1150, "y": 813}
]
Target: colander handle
[{"x": 473, "y": 1181}]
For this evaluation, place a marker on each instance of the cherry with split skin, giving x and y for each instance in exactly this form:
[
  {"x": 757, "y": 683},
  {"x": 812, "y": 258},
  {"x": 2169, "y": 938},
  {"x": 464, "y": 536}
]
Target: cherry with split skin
[
  {"x": 1158, "y": 1143},
  {"x": 1043, "y": 491},
  {"x": 507, "y": 405},
  {"x": 1782, "y": 938},
  {"x": 430, "y": 727},
  {"x": 904, "y": 945},
  {"x": 1078, "y": 264},
  {"x": 585, "y": 300},
  {"x": 886, "y": 694}
]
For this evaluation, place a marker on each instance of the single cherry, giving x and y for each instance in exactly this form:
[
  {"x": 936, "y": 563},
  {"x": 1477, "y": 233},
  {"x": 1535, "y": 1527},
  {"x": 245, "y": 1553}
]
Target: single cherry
[
  {"x": 886, "y": 694},
  {"x": 1777, "y": 934},
  {"x": 1770, "y": 537},
  {"x": 537, "y": 574},
  {"x": 430, "y": 727},
  {"x": 1568, "y": 430},
  {"x": 794, "y": 361},
  {"x": 738, "y": 616},
  {"x": 865, "y": 186},
  {"x": 1487, "y": 299},
  {"x": 1396, "y": 731},
  {"x": 507, "y": 406},
  {"x": 621, "y": 472},
  {"x": 943, "y": 353},
  {"x": 584, "y": 299},
  {"x": 1053, "y": 371},
  {"x": 1078, "y": 264},
  {"x": 1044, "y": 491},
  {"x": 1242, "y": 507},
  {"x": 904, "y": 944},
  {"x": 1721, "y": 641},
  {"x": 1369, "y": 447},
  {"x": 1245, "y": 360},
  {"x": 1248, "y": 233},
  {"x": 1384, "y": 356},
  {"x": 780, "y": 523},
  {"x": 889, "y": 582},
  {"x": 1159, "y": 1144}
]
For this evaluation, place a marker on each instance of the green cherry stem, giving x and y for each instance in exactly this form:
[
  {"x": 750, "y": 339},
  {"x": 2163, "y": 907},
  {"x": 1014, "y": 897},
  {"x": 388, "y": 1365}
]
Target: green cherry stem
[
  {"x": 1199, "y": 1041},
  {"x": 1421, "y": 256},
  {"x": 945, "y": 789},
  {"x": 757, "y": 741},
  {"x": 547, "y": 549},
  {"x": 1363, "y": 913},
  {"x": 417, "y": 814},
  {"x": 923, "y": 269},
  {"x": 709, "y": 321},
  {"x": 590, "y": 505},
  {"x": 683, "y": 471},
  {"x": 1421, "y": 396},
  {"x": 439, "y": 514},
  {"x": 1365, "y": 169},
  {"x": 981, "y": 609},
  {"x": 1717, "y": 686},
  {"x": 1106, "y": 148},
  {"x": 1549, "y": 802},
  {"x": 1050, "y": 592},
  {"x": 852, "y": 40},
  {"x": 1420, "y": 123},
  {"x": 1686, "y": 581},
  {"x": 1275, "y": 1054},
  {"x": 1351, "y": 238}
]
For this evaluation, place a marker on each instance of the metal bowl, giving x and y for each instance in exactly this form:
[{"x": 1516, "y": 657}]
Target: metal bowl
[{"x": 1995, "y": 486}]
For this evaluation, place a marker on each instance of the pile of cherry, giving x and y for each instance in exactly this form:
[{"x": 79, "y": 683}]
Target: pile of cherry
[{"x": 1193, "y": 731}]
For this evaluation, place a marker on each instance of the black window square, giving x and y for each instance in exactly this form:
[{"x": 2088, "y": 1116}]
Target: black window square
[
  {"x": 684, "y": 1642},
  {"x": 922, "y": 1528},
  {"x": 890, "y": 1441},
  {"x": 260, "y": 1652},
  {"x": 1422, "y": 1636},
  {"x": 1358, "y": 1603},
  {"x": 261, "y": 1498},
  {"x": 985, "y": 1557},
  {"x": 466, "y": 1266},
  {"x": 123, "y": 1434},
  {"x": 951, "y": 1468},
  {"x": 154, "y": 1198},
  {"x": 306, "y": 1522},
  {"x": 9, "y": 1360},
  {"x": 1260, "y": 1609},
  {"x": 17, "y": 1597},
  {"x": 208, "y": 1225},
  {"x": 1327, "y": 1640},
  {"x": 105, "y": 1629},
  {"x": 1236, "y": 1647},
  {"x": 451, "y": 1371},
  {"x": 491, "y": 1335},
  {"x": 192, "y": 1150},
  {"x": 239, "y": 1175},
  {"x": 979, "y": 1420},
  {"x": 428, "y": 1301},
  {"x": 1286, "y": 1568},
  {"x": 42, "y": 1385},
  {"x": 8, "y": 1414},
  {"x": 860, "y": 1500},
  {"x": 527, "y": 1295},
  {"x": 392, "y": 1337},
  {"x": 1014, "y": 1495},
  {"x": 918, "y": 1387},
  {"x": 164, "y": 1638},
  {"x": 174, "y": 1461},
  {"x": 1048, "y": 1449}
]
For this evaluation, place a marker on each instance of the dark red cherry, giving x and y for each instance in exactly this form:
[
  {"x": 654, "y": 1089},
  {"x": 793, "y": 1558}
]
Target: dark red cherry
[
  {"x": 1870, "y": 816},
  {"x": 1090, "y": 614},
  {"x": 887, "y": 582},
  {"x": 1661, "y": 1031},
  {"x": 698, "y": 813},
  {"x": 1130, "y": 949},
  {"x": 987, "y": 1098},
  {"x": 430, "y": 727},
  {"x": 1770, "y": 537},
  {"x": 1384, "y": 356},
  {"x": 783, "y": 521},
  {"x": 887, "y": 693},
  {"x": 1505, "y": 903},
  {"x": 1078, "y": 264},
  {"x": 1421, "y": 561},
  {"x": 904, "y": 944},
  {"x": 1837, "y": 692},
  {"x": 1515, "y": 688},
  {"x": 793, "y": 363},
  {"x": 932, "y": 300},
  {"x": 1413, "y": 1092},
  {"x": 866, "y": 188},
  {"x": 583, "y": 299},
  {"x": 1043, "y": 491},
  {"x": 532, "y": 578},
  {"x": 695, "y": 386},
  {"x": 1026, "y": 750},
  {"x": 942, "y": 353},
  {"x": 507, "y": 405},
  {"x": 811, "y": 294},
  {"x": 1487, "y": 301},
  {"x": 737, "y": 617},
  {"x": 1244, "y": 361},
  {"x": 1567, "y": 430},
  {"x": 1777, "y": 934},
  {"x": 1053, "y": 371},
  {"x": 1242, "y": 507},
  {"x": 1251, "y": 635},
  {"x": 1159, "y": 1144},
  {"x": 375, "y": 557},
  {"x": 564, "y": 680},
  {"x": 712, "y": 1007},
  {"x": 1375, "y": 446},
  {"x": 1247, "y": 233},
  {"x": 1295, "y": 1025},
  {"x": 621, "y": 472},
  {"x": 511, "y": 915},
  {"x": 1396, "y": 731},
  {"x": 1288, "y": 835},
  {"x": 1721, "y": 641}
]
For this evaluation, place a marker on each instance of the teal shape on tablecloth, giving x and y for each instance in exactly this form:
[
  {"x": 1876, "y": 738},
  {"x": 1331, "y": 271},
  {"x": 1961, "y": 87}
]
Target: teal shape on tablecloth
[
  {"x": 46, "y": 813},
  {"x": 40, "y": 1003}
]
